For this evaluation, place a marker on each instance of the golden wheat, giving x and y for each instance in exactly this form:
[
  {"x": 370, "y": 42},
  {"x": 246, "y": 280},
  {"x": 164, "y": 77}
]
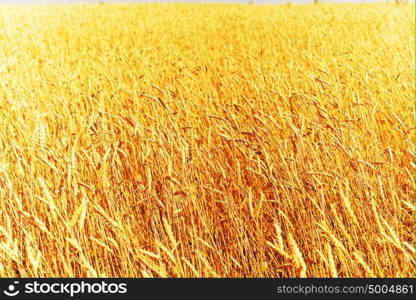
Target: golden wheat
[{"x": 186, "y": 140}]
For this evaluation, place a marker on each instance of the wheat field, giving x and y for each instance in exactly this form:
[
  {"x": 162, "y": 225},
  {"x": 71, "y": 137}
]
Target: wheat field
[{"x": 207, "y": 140}]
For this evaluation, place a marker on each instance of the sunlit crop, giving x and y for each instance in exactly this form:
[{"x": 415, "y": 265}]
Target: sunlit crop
[{"x": 191, "y": 140}]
